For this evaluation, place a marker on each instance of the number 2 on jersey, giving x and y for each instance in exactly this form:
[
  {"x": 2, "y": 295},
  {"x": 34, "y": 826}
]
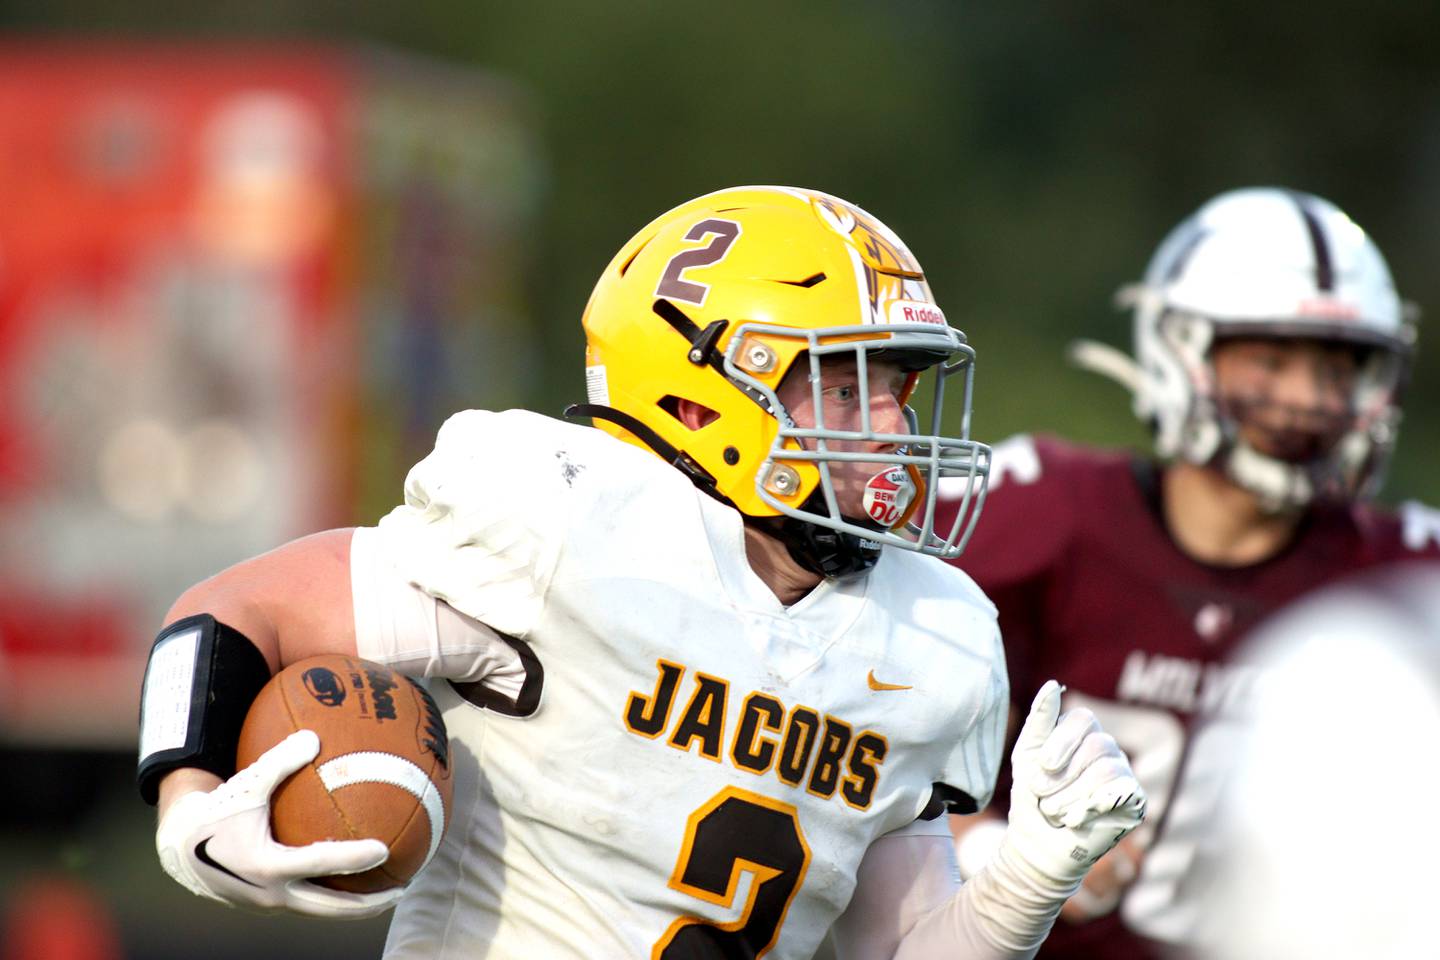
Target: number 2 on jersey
[{"x": 734, "y": 833}]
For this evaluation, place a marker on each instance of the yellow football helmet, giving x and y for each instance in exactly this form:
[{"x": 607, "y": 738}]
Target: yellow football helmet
[{"x": 716, "y": 301}]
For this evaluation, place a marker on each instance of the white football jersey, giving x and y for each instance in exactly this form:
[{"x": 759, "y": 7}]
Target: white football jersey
[{"x": 690, "y": 768}]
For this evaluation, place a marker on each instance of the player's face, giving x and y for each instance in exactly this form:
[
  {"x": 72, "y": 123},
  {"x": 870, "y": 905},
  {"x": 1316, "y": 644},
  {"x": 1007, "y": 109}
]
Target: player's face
[
  {"x": 1291, "y": 399},
  {"x": 842, "y": 405}
]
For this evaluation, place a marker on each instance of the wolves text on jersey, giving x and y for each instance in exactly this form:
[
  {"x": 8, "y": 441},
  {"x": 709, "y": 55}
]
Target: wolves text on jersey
[
  {"x": 1186, "y": 685},
  {"x": 799, "y": 745}
]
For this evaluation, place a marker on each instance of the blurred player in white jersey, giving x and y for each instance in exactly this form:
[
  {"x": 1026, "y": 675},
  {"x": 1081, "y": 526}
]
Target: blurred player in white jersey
[
  {"x": 1349, "y": 707},
  {"x": 708, "y": 692}
]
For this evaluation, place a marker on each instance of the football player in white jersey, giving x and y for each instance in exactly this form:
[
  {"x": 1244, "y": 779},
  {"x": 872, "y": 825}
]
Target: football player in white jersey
[{"x": 710, "y": 703}]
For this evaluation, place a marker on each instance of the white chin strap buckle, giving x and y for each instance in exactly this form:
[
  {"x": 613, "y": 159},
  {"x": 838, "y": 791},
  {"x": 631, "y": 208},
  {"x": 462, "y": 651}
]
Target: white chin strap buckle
[{"x": 888, "y": 495}]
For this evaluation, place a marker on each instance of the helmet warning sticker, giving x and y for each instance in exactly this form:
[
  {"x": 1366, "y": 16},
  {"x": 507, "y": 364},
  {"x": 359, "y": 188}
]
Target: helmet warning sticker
[{"x": 597, "y": 384}]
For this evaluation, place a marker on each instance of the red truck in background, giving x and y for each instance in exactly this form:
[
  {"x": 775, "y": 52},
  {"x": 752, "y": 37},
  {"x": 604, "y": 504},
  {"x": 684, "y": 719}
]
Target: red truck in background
[{"x": 240, "y": 287}]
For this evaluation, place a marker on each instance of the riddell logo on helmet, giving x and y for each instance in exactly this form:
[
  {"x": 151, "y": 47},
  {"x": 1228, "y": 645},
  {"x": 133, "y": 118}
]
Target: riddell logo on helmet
[
  {"x": 913, "y": 311},
  {"x": 1329, "y": 308}
]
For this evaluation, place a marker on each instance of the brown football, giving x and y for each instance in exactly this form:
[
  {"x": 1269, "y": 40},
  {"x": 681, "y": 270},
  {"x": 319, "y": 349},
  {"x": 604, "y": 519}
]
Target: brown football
[{"x": 383, "y": 770}]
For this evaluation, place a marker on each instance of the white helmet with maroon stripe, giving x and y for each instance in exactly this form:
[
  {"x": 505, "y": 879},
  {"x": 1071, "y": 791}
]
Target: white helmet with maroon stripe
[{"x": 1266, "y": 262}]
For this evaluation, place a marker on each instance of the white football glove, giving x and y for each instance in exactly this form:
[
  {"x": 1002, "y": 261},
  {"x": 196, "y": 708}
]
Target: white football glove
[
  {"x": 218, "y": 845},
  {"x": 1073, "y": 795}
]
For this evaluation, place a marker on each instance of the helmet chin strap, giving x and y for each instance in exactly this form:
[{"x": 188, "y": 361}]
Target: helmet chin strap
[
  {"x": 1279, "y": 486},
  {"x": 672, "y": 455},
  {"x": 890, "y": 500},
  {"x": 821, "y": 550},
  {"x": 834, "y": 554}
]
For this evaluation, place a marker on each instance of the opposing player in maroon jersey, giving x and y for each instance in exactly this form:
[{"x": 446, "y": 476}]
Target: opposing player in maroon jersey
[{"x": 1271, "y": 349}]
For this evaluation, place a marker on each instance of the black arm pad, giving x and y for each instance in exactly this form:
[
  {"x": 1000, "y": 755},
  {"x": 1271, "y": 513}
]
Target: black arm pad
[{"x": 200, "y": 681}]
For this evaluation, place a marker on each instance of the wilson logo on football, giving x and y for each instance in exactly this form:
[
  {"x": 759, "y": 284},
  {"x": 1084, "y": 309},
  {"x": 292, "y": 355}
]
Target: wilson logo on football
[
  {"x": 914, "y": 311},
  {"x": 324, "y": 686}
]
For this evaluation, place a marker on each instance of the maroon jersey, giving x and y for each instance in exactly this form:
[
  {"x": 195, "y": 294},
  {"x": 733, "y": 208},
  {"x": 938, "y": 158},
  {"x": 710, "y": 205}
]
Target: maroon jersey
[{"x": 1092, "y": 591}]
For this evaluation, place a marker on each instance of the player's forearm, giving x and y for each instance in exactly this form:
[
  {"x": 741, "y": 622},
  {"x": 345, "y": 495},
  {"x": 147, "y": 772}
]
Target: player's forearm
[
  {"x": 907, "y": 904},
  {"x": 232, "y": 632},
  {"x": 1004, "y": 912},
  {"x": 223, "y": 597}
]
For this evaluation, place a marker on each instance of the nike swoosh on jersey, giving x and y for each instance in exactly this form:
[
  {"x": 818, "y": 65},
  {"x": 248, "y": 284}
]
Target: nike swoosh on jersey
[
  {"x": 203, "y": 855},
  {"x": 882, "y": 685}
]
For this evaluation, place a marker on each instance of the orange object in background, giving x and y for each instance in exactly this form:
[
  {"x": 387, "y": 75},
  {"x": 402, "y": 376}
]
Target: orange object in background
[
  {"x": 54, "y": 918},
  {"x": 238, "y": 283}
]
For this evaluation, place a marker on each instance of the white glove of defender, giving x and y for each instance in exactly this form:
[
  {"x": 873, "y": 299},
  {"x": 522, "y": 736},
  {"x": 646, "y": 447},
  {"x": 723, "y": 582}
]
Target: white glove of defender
[
  {"x": 1073, "y": 795},
  {"x": 218, "y": 845}
]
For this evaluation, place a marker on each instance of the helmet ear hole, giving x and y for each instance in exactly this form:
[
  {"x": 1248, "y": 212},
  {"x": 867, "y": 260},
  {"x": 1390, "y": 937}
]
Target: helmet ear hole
[{"x": 690, "y": 413}]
